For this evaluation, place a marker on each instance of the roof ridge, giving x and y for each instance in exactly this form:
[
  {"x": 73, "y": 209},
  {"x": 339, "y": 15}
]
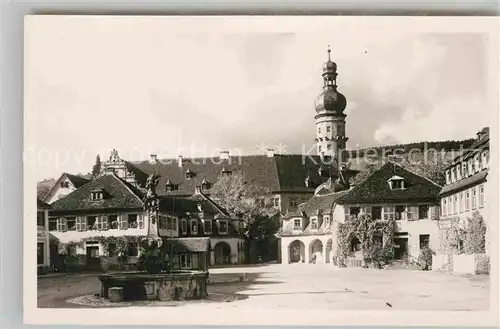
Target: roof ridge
[
  {"x": 54, "y": 186},
  {"x": 362, "y": 181},
  {"x": 126, "y": 186},
  {"x": 213, "y": 203}
]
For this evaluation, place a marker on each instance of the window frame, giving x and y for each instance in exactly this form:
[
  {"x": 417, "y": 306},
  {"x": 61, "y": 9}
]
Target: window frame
[
  {"x": 467, "y": 200},
  {"x": 389, "y": 212},
  {"x": 193, "y": 229},
  {"x": 61, "y": 225},
  {"x": 424, "y": 239},
  {"x": 412, "y": 212},
  {"x": 427, "y": 212},
  {"x": 297, "y": 227},
  {"x": 474, "y": 198},
  {"x": 226, "y": 222},
  {"x": 207, "y": 221},
  {"x": 481, "y": 196}
]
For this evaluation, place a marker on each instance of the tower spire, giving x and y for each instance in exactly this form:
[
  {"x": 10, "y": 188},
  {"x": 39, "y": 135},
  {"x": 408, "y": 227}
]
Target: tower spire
[{"x": 329, "y": 51}]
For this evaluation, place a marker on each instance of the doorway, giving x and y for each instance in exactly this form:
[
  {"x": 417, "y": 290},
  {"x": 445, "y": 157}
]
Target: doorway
[
  {"x": 400, "y": 248},
  {"x": 93, "y": 261}
]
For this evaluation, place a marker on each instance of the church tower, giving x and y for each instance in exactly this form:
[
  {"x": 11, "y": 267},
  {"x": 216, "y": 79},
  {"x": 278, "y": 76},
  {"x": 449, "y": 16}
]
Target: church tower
[{"x": 330, "y": 118}]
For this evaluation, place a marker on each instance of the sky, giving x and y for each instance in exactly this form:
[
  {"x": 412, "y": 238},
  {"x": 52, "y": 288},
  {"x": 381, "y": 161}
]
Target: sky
[{"x": 140, "y": 87}]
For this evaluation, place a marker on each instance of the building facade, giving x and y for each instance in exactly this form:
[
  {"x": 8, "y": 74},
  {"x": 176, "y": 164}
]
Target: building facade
[
  {"x": 467, "y": 183},
  {"x": 391, "y": 192},
  {"x": 43, "y": 238},
  {"x": 90, "y": 223}
]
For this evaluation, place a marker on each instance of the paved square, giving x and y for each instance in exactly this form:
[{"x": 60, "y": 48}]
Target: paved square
[{"x": 290, "y": 287}]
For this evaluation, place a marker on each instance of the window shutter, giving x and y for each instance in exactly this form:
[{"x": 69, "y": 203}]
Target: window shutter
[
  {"x": 84, "y": 223},
  {"x": 140, "y": 220},
  {"x": 105, "y": 223},
  {"x": 122, "y": 223},
  {"x": 434, "y": 212},
  {"x": 78, "y": 224}
]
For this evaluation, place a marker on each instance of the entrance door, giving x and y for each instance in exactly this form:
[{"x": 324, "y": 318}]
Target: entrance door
[
  {"x": 93, "y": 261},
  {"x": 400, "y": 248}
]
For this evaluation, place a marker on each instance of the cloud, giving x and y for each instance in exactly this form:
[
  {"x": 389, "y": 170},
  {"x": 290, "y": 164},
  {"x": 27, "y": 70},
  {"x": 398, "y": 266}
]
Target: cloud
[{"x": 137, "y": 85}]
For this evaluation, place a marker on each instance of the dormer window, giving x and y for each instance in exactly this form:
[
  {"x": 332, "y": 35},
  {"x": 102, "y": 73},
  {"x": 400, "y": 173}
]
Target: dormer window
[
  {"x": 225, "y": 171},
  {"x": 65, "y": 184},
  {"x": 170, "y": 187},
  {"x": 396, "y": 183},
  {"x": 297, "y": 224},
  {"x": 314, "y": 223},
  {"x": 189, "y": 174},
  {"x": 205, "y": 185},
  {"x": 97, "y": 195}
]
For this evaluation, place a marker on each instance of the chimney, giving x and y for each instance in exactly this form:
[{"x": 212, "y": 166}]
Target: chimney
[
  {"x": 270, "y": 153},
  {"x": 224, "y": 155},
  {"x": 179, "y": 161},
  {"x": 153, "y": 158},
  {"x": 197, "y": 189}
]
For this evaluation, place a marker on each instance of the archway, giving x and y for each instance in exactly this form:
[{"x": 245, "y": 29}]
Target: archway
[
  {"x": 328, "y": 250},
  {"x": 222, "y": 253},
  {"x": 296, "y": 252},
  {"x": 316, "y": 251}
]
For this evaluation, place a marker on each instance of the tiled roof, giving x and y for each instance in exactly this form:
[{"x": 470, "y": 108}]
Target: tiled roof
[
  {"x": 76, "y": 180},
  {"x": 42, "y": 205},
  {"x": 323, "y": 203},
  {"x": 118, "y": 195},
  {"x": 280, "y": 173},
  {"x": 464, "y": 183},
  {"x": 181, "y": 245},
  {"x": 181, "y": 205},
  {"x": 375, "y": 188},
  {"x": 481, "y": 143}
]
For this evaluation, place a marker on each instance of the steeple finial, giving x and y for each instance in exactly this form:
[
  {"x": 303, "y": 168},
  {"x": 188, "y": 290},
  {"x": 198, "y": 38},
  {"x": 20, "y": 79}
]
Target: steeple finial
[{"x": 329, "y": 51}]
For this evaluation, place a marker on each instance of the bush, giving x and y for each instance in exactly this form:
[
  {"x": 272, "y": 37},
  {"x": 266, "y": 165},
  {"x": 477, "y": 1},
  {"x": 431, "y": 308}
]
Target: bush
[
  {"x": 425, "y": 258},
  {"x": 378, "y": 256}
]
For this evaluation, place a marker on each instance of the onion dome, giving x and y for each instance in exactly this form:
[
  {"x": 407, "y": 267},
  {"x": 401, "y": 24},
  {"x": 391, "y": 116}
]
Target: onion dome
[{"x": 330, "y": 100}]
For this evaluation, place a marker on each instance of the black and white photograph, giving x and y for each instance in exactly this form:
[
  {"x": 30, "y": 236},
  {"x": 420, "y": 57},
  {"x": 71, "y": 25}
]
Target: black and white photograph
[{"x": 260, "y": 170}]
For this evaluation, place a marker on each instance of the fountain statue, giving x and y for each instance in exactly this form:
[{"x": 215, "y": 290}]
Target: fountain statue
[{"x": 157, "y": 280}]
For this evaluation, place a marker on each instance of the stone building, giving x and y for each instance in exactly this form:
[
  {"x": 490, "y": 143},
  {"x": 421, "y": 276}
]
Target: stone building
[
  {"x": 467, "y": 182},
  {"x": 108, "y": 206},
  {"x": 391, "y": 192}
]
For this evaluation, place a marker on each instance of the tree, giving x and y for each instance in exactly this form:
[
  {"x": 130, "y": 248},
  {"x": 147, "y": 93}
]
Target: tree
[
  {"x": 430, "y": 165},
  {"x": 96, "y": 169},
  {"x": 250, "y": 202},
  {"x": 241, "y": 197}
]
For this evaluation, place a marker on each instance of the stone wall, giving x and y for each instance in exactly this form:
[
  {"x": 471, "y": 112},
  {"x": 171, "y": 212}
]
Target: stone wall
[{"x": 461, "y": 264}]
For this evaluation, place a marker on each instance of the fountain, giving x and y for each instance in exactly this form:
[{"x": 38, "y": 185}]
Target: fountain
[{"x": 158, "y": 281}]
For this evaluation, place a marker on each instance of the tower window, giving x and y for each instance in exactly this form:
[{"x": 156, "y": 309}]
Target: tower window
[
  {"x": 319, "y": 130},
  {"x": 329, "y": 146},
  {"x": 319, "y": 148},
  {"x": 328, "y": 129}
]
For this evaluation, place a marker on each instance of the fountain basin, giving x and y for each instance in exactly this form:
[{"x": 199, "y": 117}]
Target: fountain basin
[{"x": 175, "y": 285}]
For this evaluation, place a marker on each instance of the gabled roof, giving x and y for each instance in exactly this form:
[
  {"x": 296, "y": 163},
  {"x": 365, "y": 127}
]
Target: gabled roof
[
  {"x": 465, "y": 183},
  {"x": 376, "y": 189},
  {"x": 42, "y": 205},
  {"x": 323, "y": 203},
  {"x": 76, "y": 180},
  {"x": 480, "y": 144},
  {"x": 119, "y": 195},
  {"x": 279, "y": 173},
  {"x": 188, "y": 245}
]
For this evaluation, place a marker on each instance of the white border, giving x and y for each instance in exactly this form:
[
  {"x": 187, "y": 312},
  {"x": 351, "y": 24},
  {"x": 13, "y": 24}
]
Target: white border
[{"x": 194, "y": 315}]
